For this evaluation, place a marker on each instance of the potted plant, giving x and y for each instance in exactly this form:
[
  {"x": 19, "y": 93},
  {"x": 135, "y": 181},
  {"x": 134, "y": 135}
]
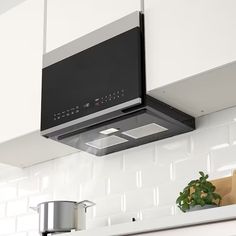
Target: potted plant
[{"x": 198, "y": 194}]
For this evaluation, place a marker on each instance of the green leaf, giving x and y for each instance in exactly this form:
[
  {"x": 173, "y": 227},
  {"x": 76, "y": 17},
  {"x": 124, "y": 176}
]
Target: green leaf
[{"x": 201, "y": 173}]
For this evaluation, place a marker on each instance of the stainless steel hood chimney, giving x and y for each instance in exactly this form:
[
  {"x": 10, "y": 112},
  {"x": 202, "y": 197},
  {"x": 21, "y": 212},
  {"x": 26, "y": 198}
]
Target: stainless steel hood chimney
[{"x": 94, "y": 96}]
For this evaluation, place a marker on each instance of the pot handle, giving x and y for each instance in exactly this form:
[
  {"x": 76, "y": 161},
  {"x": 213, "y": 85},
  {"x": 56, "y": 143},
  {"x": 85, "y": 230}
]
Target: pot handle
[
  {"x": 34, "y": 208},
  {"x": 86, "y": 204}
]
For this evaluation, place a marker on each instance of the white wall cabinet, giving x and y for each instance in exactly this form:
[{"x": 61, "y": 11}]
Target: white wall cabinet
[
  {"x": 186, "y": 37},
  {"x": 21, "y": 49},
  {"x": 68, "y": 20}
]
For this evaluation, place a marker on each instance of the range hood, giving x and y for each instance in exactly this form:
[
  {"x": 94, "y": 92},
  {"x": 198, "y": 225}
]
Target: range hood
[{"x": 94, "y": 97}]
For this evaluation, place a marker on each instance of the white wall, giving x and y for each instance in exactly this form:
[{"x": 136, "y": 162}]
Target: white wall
[{"x": 141, "y": 182}]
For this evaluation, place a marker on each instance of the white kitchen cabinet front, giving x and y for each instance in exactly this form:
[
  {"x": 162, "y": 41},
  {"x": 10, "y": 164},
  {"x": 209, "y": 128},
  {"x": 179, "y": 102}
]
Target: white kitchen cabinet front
[
  {"x": 68, "y": 20},
  {"x": 21, "y": 48},
  {"x": 186, "y": 37}
]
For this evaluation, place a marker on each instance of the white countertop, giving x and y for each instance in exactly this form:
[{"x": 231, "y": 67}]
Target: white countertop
[{"x": 181, "y": 220}]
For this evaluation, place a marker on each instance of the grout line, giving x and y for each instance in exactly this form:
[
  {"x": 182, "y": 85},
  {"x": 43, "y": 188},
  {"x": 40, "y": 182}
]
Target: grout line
[
  {"x": 172, "y": 172},
  {"x": 156, "y": 196},
  {"x": 209, "y": 166},
  {"x": 108, "y": 186},
  {"x": 230, "y": 140},
  {"x": 123, "y": 162},
  {"x": 155, "y": 154},
  {"x": 191, "y": 144},
  {"x": 123, "y": 203},
  {"x": 139, "y": 179},
  {"x": 109, "y": 221}
]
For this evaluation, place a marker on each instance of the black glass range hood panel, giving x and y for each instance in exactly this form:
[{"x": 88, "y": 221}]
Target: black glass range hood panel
[
  {"x": 95, "y": 79},
  {"x": 93, "y": 97}
]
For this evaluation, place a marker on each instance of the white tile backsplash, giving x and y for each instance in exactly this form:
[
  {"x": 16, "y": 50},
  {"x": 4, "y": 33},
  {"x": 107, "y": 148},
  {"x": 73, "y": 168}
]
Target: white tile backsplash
[
  {"x": 123, "y": 182},
  {"x": 173, "y": 149},
  {"x": 140, "y": 199},
  {"x": 108, "y": 165},
  {"x": 27, "y": 222},
  {"x": 28, "y": 186},
  {"x": 108, "y": 206},
  {"x": 154, "y": 175},
  {"x": 95, "y": 188},
  {"x": 2, "y": 210},
  {"x": 232, "y": 133},
  {"x": 142, "y": 182},
  {"x": 188, "y": 169},
  {"x": 210, "y": 138},
  {"x": 7, "y": 226},
  {"x": 223, "y": 160},
  {"x": 8, "y": 192},
  {"x": 137, "y": 158},
  {"x": 17, "y": 207},
  {"x": 157, "y": 212}
]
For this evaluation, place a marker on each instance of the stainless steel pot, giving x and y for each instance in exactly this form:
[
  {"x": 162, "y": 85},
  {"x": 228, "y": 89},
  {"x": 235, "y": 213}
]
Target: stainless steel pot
[{"x": 62, "y": 216}]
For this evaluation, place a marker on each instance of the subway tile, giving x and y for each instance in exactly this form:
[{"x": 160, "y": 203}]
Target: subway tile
[
  {"x": 7, "y": 226},
  {"x": 96, "y": 223},
  {"x": 14, "y": 174},
  {"x": 20, "y": 234},
  {"x": 108, "y": 206},
  {"x": 140, "y": 199},
  {"x": 28, "y": 186},
  {"x": 168, "y": 193},
  {"x": 44, "y": 172},
  {"x": 108, "y": 165},
  {"x": 223, "y": 160},
  {"x": 139, "y": 157},
  {"x": 96, "y": 188},
  {"x": 232, "y": 133},
  {"x": 75, "y": 168},
  {"x": 2, "y": 210},
  {"x": 124, "y": 218},
  {"x": 66, "y": 192},
  {"x": 154, "y": 175},
  {"x": 216, "y": 119},
  {"x": 27, "y": 222},
  {"x": 33, "y": 233},
  {"x": 157, "y": 212},
  {"x": 188, "y": 169},
  {"x": 17, "y": 207},
  {"x": 36, "y": 199},
  {"x": 8, "y": 192},
  {"x": 172, "y": 149},
  {"x": 210, "y": 139},
  {"x": 222, "y": 117},
  {"x": 125, "y": 181}
]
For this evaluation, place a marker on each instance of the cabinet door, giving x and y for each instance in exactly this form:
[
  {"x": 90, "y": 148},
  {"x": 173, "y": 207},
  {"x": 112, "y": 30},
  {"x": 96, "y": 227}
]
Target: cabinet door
[
  {"x": 21, "y": 45},
  {"x": 186, "y": 37},
  {"x": 68, "y": 20}
]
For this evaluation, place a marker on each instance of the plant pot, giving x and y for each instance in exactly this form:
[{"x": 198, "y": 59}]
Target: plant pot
[{"x": 198, "y": 207}]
